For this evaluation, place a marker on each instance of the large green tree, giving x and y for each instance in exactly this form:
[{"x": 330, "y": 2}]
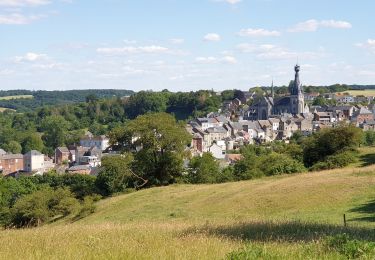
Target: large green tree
[
  {"x": 55, "y": 131},
  {"x": 161, "y": 143}
]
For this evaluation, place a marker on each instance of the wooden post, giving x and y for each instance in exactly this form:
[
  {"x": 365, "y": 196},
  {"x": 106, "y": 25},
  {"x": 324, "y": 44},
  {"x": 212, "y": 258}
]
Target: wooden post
[{"x": 344, "y": 220}]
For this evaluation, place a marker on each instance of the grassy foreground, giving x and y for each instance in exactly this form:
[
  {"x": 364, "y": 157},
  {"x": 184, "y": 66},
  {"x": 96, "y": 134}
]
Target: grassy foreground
[{"x": 281, "y": 217}]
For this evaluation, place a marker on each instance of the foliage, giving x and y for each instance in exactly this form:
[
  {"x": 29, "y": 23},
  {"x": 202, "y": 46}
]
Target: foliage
[
  {"x": 330, "y": 141},
  {"x": 334, "y": 161},
  {"x": 163, "y": 140},
  {"x": 42, "y": 206},
  {"x": 115, "y": 174},
  {"x": 203, "y": 169},
  {"x": 350, "y": 248},
  {"x": 275, "y": 164},
  {"x": 369, "y": 138}
]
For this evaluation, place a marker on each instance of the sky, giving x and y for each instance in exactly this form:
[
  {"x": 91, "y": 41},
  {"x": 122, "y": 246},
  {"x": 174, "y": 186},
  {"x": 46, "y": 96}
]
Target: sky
[{"x": 184, "y": 45}]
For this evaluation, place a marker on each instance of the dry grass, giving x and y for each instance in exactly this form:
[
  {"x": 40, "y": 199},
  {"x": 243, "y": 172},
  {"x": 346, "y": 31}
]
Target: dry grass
[
  {"x": 16, "y": 97},
  {"x": 366, "y": 92},
  {"x": 282, "y": 217}
]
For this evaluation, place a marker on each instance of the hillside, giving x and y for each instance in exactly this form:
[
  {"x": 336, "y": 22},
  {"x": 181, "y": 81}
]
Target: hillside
[
  {"x": 282, "y": 217},
  {"x": 24, "y": 100}
]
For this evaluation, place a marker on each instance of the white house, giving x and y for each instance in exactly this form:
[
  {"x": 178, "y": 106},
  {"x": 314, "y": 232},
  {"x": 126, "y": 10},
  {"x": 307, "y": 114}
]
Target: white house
[
  {"x": 33, "y": 161},
  {"x": 217, "y": 151},
  {"x": 101, "y": 142}
]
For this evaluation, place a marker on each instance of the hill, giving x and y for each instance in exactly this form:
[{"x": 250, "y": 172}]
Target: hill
[
  {"x": 24, "y": 100},
  {"x": 279, "y": 217}
]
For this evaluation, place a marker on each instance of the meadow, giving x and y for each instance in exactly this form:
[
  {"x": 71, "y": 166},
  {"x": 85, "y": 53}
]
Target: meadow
[
  {"x": 16, "y": 97},
  {"x": 279, "y": 217},
  {"x": 366, "y": 92}
]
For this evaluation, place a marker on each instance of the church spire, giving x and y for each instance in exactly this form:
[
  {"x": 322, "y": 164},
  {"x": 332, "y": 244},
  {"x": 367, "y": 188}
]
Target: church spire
[
  {"x": 272, "y": 90},
  {"x": 297, "y": 84}
]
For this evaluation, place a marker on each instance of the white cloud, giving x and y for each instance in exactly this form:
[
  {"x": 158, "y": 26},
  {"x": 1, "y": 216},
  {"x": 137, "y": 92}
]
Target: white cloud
[
  {"x": 20, "y": 3},
  {"x": 177, "y": 41},
  {"x": 313, "y": 25},
  {"x": 369, "y": 45},
  {"x": 18, "y": 19},
  {"x": 214, "y": 37},
  {"x": 30, "y": 57},
  {"x": 133, "y": 50},
  {"x": 274, "y": 52},
  {"x": 232, "y": 2},
  {"x": 258, "y": 32},
  {"x": 216, "y": 60}
]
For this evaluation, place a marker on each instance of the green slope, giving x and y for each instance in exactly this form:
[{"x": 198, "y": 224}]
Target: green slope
[{"x": 281, "y": 217}]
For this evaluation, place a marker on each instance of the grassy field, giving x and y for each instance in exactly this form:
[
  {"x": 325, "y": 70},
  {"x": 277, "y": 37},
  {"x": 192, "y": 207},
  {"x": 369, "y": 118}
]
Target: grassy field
[
  {"x": 283, "y": 217},
  {"x": 16, "y": 97},
  {"x": 2, "y": 109},
  {"x": 366, "y": 92}
]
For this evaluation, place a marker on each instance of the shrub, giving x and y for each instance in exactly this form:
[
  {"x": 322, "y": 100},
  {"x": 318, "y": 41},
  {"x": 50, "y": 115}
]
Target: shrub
[
  {"x": 339, "y": 160},
  {"x": 203, "y": 169},
  {"x": 249, "y": 252},
  {"x": 41, "y": 206},
  {"x": 276, "y": 164},
  {"x": 350, "y": 248}
]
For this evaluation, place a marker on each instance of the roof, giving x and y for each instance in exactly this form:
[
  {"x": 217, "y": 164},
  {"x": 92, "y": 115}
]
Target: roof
[
  {"x": 364, "y": 110},
  {"x": 63, "y": 149},
  {"x": 284, "y": 101},
  {"x": 11, "y": 156},
  {"x": 2, "y": 152},
  {"x": 80, "y": 168},
  {"x": 218, "y": 129},
  {"x": 234, "y": 157},
  {"x": 33, "y": 153}
]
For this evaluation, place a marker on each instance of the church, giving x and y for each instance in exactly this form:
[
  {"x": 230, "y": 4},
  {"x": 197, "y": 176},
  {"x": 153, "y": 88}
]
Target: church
[{"x": 268, "y": 106}]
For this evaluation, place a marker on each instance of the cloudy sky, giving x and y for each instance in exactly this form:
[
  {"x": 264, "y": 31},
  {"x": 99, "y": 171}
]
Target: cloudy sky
[{"x": 184, "y": 44}]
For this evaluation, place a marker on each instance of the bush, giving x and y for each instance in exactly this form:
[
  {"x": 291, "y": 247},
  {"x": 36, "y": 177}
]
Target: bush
[
  {"x": 276, "y": 164},
  {"x": 339, "y": 160},
  {"x": 41, "y": 206},
  {"x": 350, "y": 248},
  {"x": 203, "y": 169},
  {"x": 250, "y": 252}
]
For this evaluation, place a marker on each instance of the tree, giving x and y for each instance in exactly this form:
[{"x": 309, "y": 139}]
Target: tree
[
  {"x": 32, "y": 141},
  {"x": 319, "y": 101},
  {"x": 162, "y": 141},
  {"x": 203, "y": 169},
  {"x": 115, "y": 174},
  {"x": 13, "y": 147},
  {"x": 55, "y": 131},
  {"x": 330, "y": 141}
]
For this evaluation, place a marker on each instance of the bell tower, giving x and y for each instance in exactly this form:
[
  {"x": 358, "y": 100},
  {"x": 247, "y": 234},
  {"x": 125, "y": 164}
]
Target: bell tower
[{"x": 297, "y": 98}]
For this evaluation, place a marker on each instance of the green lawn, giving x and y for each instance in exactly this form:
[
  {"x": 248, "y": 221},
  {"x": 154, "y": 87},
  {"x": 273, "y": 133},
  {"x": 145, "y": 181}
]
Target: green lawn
[{"x": 283, "y": 217}]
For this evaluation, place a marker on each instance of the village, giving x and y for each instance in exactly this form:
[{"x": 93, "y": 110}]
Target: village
[{"x": 220, "y": 133}]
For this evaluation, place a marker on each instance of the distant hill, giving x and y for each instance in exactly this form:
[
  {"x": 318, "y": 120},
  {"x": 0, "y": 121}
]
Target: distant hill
[{"x": 43, "y": 97}]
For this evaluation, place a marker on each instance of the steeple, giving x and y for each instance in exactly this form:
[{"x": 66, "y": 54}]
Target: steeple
[
  {"x": 296, "y": 89},
  {"x": 272, "y": 91}
]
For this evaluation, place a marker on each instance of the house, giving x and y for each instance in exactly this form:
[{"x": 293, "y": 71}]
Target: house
[
  {"x": 311, "y": 96},
  {"x": 368, "y": 125},
  {"x": 84, "y": 155},
  {"x": 10, "y": 163},
  {"x": 33, "y": 161},
  {"x": 62, "y": 155},
  {"x": 2, "y": 152},
  {"x": 217, "y": 151},
  {"x": 101, "y": 142},
  {"x": 362, "y": 115}
]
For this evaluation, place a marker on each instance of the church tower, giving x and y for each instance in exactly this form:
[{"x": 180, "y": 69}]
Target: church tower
[{"x": 297, "y": 98}]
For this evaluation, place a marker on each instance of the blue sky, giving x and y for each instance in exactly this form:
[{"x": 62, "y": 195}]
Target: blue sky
[{"x": 184, "y": 45}]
